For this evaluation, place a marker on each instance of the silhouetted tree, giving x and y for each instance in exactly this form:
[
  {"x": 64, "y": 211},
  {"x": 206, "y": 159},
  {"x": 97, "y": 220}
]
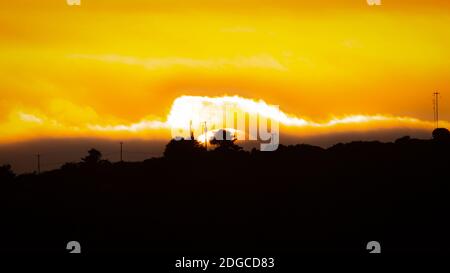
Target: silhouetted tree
[
  {"x": 6, "y": 173},
  {"x": 94, "y": 157},
  {"x": 69, "y": 166},
  {"x": 441, "y": 134},
  {"x": 225, "y": 142},
  {"x": 183, "y": 148},
  {"x": 403, "y": 140}
]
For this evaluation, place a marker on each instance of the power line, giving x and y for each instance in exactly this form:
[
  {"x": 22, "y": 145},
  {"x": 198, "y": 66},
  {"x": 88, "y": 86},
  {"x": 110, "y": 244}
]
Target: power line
[{"x": 41, "y": 165}]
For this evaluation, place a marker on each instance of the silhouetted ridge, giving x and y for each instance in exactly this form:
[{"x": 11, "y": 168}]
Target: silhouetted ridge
[{"x": 298, "y": 198}]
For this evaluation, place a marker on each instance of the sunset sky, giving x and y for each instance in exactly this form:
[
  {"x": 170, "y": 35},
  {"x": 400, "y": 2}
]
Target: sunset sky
[{"x": 114, "y": 68}]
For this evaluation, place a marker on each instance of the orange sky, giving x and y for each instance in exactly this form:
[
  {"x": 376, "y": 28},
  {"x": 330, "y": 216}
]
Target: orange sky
[{"x": 65, "y": 70}]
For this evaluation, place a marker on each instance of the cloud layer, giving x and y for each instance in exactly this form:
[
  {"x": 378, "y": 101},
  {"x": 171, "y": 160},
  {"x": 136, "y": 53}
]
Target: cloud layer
[{"x": 64, "y": 119}]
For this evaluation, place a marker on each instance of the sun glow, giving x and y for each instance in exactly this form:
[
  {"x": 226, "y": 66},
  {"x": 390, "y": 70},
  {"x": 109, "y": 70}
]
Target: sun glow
[{"x": 186, "y": 112}]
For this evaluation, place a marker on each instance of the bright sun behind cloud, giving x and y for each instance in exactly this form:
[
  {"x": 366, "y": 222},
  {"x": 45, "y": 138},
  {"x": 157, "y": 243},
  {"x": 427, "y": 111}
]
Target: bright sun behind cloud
[{"x": 186, "y": 112}]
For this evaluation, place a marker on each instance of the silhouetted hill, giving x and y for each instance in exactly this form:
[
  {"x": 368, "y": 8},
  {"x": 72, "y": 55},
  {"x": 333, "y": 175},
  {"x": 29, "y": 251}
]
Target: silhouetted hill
[{"x": 298, "y": 198}]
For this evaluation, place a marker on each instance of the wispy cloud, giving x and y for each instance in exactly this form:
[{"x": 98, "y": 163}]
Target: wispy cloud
[
  {"x": 142, "y": 125},
  {"x": 262, "y": 61},
  {"x": 30, "y": 118},
  {"x": 239, "y": 29}
]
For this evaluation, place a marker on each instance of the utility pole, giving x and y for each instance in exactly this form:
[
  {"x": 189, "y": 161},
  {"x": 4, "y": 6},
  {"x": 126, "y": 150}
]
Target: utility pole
[
  {"x": 205, "y": 134},
  {"x": 436, "y": 108},
  {"x": 191, "y": 132},
  {"x": 38, "y": 163},
  {"x": 121, "y": 151}
]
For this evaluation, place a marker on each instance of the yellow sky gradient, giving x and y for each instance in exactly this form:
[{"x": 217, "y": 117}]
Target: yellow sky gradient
[{"x": 65, "y": 70}]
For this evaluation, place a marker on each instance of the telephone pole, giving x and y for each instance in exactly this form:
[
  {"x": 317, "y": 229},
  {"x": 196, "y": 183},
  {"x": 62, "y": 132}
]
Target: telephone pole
[
  {"x": 205, "y": 134},
  {"x": 38, "y": 163},
  {"x": 121, "y": 151},
  {"x": 191, "y": 132},
  {"x": 436, "y": 108}
]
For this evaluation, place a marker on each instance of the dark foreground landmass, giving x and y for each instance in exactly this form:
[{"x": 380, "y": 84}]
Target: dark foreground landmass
[{"x": 298, "y": 199}]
